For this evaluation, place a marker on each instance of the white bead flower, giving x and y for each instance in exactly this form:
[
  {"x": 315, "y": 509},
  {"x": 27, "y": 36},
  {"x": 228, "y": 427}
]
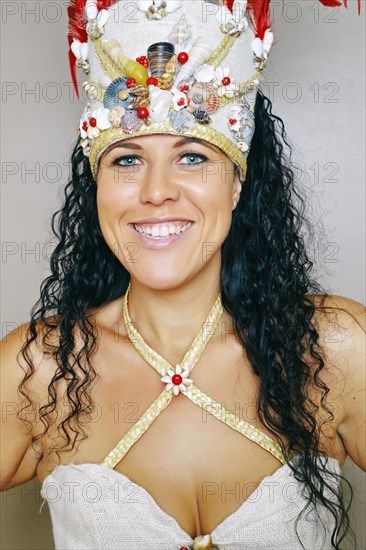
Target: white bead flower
[
  {"x": 176, "y": 380},
  {"x": 227, "y": 90},
  {"x": 179, "y": 99}
]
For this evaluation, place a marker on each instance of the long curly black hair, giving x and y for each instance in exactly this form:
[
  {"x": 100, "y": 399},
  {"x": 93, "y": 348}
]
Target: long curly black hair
[{"x": 265, "y": 277}]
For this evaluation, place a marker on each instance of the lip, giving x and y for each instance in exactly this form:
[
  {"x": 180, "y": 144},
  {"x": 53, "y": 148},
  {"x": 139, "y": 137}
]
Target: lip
[
  {"x": 161, "y": 220},
  {"x": 164, "y": 242}
]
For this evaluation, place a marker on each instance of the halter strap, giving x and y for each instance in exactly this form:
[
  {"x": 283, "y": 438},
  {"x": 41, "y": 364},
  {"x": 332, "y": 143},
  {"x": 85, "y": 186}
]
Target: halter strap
[{"x": 197, "y": 396}]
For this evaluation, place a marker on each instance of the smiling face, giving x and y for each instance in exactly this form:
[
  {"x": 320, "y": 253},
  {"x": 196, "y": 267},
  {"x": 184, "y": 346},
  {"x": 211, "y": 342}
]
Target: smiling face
[{"x": 165, "y": 206}]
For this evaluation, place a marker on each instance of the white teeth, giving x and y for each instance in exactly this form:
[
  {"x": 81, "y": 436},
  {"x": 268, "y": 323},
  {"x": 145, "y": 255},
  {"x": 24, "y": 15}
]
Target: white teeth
[
  {"x": 161, "y": 230},
  {"x": 164, "y": 231}
]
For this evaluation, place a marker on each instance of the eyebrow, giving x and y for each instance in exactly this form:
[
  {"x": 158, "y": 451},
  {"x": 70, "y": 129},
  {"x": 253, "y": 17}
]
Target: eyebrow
[{"x": 132, "y": 145}]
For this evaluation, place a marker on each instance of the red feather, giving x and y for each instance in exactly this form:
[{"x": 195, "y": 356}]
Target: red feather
[
  {"x": 105, "y": 4},
  {"x": 77, "y": 29},
  {"x": 336, "y": 3},
  {"x": 259, "y": 15},
  {"x": 229, "y": 4}
]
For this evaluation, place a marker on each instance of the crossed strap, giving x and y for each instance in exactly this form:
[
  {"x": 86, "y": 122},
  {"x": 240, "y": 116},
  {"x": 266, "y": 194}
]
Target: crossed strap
[{"x": 186, "y": 387}]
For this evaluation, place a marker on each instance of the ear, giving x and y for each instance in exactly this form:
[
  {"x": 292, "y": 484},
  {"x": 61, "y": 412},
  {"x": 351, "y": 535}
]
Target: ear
[{"x": 237, "y": 186}]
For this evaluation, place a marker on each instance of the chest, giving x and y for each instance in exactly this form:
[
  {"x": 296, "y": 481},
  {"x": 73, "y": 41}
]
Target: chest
[{"x": 196, "y": 468}]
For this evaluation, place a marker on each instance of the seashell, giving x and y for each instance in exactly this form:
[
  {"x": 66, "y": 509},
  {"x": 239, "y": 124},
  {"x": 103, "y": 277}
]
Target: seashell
[
  {"x": 115, "y": 116},
  {"x": 180, "y": 33},
  {"x": 93, "y": 132},
  {"x": 204, "y": 96},
  {"x": 182, "y": 120},
  {"x": 91, "y": 90},
  {"x": 202, "y": 542},
  {"x": 198, "y": 54},
  {"x": 130, "y": 122},
  {"x": 166, "y": 81},
  {"x": 117, "y": 94},
  {"x": 104, "y": 81},
  {"x": 205, "y": 73},
  {"x": 140, "y": 102},
  {"x": 131, "y": 68},
  {"x": 140, "y": 91},
  {"x": 171, "y": 5},
  {"x": 201, "y": 116},
  {"x": 172, "y": 65},
  {"x": 160, "y": 101},
  {"x": 159, "y": 54}
]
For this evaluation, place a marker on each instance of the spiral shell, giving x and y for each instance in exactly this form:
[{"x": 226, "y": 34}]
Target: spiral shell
[
  {"x": 166, "y": 81},
  {"x": 180, "y": 33},
  {"x": 140, "y": 102},
  {"x": 172, "y": 65},
  {"x": 204, "y": 96},
  {"x": 140, "y": 91},
  {"x": 198, "y": 54},
  {"x": 130, "y": 122},
  {"x": 159, "y": 55}
]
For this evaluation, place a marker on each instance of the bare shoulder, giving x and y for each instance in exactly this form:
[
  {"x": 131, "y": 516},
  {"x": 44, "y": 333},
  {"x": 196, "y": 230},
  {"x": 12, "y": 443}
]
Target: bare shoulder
[
  {"x": 341, "y": 324},
  {"x": 21, "y": 375}
]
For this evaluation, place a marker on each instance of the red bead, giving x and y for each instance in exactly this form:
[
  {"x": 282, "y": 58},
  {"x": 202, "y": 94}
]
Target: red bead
[
  {"x": 85, "y": 125},
  {"x": 152, "y": 81},
  {"x": 142, "y": 112},
  {"x": 226, "y": 81},
  {"x": 181, "y": 101},
  {"x": 233, "y": 121},
  {"x": 130, "y": 82},
  {"x": 177, "y": 379},
  {"x": 183, "y": 57},
  {"x": 93, "y": 122},
  {"x": 142, "y": 60}
]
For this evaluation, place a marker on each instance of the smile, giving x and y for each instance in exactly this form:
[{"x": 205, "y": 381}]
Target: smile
[{"x": 162, "y": 230}]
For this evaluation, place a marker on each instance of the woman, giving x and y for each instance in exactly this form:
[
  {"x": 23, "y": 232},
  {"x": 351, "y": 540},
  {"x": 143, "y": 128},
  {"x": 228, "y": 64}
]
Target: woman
[{"x": 263, "y": 363}]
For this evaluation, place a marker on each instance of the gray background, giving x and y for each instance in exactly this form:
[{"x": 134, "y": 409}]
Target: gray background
[{"x": 316, "y": 79}]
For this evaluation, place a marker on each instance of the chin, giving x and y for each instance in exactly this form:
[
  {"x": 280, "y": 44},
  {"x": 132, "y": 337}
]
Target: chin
[{"x": 158, "y": 279}]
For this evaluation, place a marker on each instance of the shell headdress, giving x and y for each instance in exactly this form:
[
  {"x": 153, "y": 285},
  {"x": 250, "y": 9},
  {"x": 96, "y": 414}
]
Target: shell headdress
[{"x": 188, "y": 67}]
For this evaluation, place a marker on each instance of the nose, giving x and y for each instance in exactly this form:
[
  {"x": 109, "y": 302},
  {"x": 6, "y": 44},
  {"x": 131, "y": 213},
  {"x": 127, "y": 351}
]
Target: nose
[{"x": 159, "y": 183}]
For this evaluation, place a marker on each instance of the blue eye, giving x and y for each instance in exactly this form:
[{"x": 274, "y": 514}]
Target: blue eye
[
  {"x": 127, "y": 159},
  {"x": 194, "y": 156}
]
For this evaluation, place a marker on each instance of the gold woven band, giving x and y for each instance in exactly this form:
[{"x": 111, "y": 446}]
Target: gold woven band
[{"x": 112, "y": 135}]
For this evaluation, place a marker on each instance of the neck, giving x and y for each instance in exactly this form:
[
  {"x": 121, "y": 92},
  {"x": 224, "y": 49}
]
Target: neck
[{"x": 168, "y": 320}]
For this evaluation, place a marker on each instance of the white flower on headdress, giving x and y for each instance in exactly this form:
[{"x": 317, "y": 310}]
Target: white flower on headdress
[
  {"x": 205, "y": 73},
  {"x": 176, "y": 380},
  {"x": 80, "y": 51},
  {"x": 180, "y": 99},
  {"x": 102, "y": 116},
  {"x": 96, "y": 20},
  {"x": 227, "y": 90},
  {"x": 234, "y": 22},
  {"x": 261, "y": 49},
  {"x": 91, "y": 124}
]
